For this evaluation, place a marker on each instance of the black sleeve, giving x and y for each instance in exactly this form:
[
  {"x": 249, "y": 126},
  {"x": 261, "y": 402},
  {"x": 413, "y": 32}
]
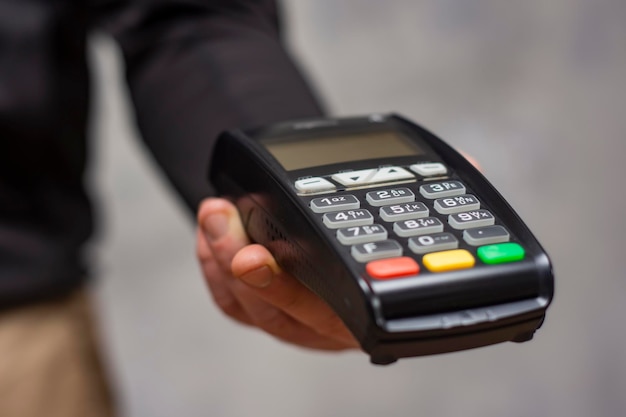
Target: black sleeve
[{"x": 198, "y": 67}]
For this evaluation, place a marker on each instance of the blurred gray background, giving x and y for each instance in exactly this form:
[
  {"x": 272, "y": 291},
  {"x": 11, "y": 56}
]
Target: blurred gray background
[{"x": 536, "y": 90}]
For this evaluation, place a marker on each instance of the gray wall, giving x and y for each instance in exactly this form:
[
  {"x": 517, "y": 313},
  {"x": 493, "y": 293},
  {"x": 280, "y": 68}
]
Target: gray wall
[{"x": 535, "y": 90}]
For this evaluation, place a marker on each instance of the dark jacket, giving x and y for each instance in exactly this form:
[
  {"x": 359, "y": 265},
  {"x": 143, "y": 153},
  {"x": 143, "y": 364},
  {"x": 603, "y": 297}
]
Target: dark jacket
[{"x": 194, "y": 68}]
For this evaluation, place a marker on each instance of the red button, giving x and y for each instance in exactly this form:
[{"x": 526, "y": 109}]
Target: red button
[{"x": 392, "y": 268}]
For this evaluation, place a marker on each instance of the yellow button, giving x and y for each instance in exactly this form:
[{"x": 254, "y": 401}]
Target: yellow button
[{"x": 448, "y": 260}]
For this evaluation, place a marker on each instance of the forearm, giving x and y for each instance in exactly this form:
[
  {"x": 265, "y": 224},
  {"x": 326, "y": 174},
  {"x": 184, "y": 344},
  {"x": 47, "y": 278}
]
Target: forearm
[{"x": 196, "y": 68}]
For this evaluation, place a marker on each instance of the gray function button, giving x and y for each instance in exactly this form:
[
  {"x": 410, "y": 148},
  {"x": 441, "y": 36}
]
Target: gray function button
[
  {"x": 486, "y": 235},
  {"x": 457, "y": 204},
  {"x": 334, "y": 203},
  {"x": 372, "y": 176},
  {"x": 354, "y": 178},
  {"x": 314, "y": 185},
  {"x": 391, "y": 196},
  {"x": 433, "y": 243},
  {"x": 429, "y": 169},
  {"x": 391, "y": 174},
  {"x": 416, "y": 227},
  {"x": 442, "y": 189},
  {"x": 403, "y": 211},
  {"x": 470, "y": 219},
  {"x": 366, "y": 252},
  {"x": 348, "y": 218},
  {"x": 361, "y": 234}
]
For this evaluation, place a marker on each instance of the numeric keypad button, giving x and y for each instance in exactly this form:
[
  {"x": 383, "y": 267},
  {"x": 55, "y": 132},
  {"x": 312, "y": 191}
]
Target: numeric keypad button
[
  {"x": 486, "y": 235},
  {"x": 347, "y": 218},
  {"x": 403, "y": 211},
  {"x": 334, "y": 203},
  {"x": 456, "y": 204},
  {"x": 415, "y": 227},
  {"x": 371, "y": 251},
  {"x": 442, "y": 189},
  {"x": 467, "y": 220},
  {"x": 361, "y": 234},
  {"x": 433, "y": 243},
  {"x": 390, "y": 196}
]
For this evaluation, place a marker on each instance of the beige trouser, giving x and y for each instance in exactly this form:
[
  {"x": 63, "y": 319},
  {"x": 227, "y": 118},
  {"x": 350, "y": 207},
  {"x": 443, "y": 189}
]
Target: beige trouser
[{"x": 49, "y": 365}]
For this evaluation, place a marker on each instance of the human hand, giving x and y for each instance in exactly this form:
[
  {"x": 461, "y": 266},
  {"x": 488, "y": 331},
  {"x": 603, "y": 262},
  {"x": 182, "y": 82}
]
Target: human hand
[{"x": 248, "y": 285}]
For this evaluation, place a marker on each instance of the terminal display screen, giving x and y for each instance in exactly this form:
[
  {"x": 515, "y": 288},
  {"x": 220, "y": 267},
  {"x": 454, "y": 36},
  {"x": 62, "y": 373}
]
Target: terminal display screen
[{"x": 325, "y": 150}]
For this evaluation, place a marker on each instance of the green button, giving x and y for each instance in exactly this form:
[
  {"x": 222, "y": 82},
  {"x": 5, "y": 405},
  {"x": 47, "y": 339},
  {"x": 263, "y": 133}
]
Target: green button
[{"x": 501, "y": 253}]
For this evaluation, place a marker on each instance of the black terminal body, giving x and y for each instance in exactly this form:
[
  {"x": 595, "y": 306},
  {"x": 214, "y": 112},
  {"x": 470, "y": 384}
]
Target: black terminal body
[{"x": 407, "y": 241}]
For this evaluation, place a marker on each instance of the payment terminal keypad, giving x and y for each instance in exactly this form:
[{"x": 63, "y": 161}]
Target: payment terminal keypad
[{"x": 430, "y": 222}]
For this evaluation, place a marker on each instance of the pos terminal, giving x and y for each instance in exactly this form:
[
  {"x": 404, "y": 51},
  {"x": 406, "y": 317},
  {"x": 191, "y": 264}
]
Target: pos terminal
[{"x": 408, "y": 242}]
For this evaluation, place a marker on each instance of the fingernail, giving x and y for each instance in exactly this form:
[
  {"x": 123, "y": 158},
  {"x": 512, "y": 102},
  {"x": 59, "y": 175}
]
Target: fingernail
[
  {"x": 215, "y": 226},
  {"x": 258, "y": 278}
]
